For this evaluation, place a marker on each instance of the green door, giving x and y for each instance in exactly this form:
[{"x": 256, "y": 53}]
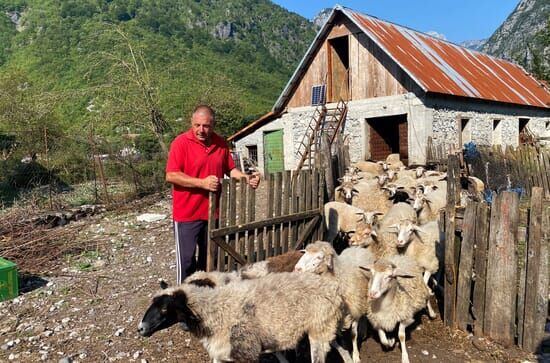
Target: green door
[{"x": 273, "y": 151}]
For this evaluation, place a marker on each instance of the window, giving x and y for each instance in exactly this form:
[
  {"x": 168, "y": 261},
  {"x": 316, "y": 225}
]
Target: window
[
  {"x": 465, "y": 131},
  {"x": 523, "y": 131},
  {"x": 253, "y": 152},
  {"x": 497, "y": 132},
  {"x": 318, "y": 95}
]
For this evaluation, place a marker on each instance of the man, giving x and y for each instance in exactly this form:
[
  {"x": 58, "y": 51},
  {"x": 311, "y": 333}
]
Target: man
[{"x": 198, "y": 160}]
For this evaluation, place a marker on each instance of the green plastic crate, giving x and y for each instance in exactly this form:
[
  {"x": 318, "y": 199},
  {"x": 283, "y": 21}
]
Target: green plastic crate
[{"x": 9, "y": 286}]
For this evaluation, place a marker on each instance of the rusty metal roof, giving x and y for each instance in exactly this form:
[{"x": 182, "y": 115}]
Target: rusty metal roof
[
  {"x": 443, "y": 67},
  {"x": 436, "y": 65}
]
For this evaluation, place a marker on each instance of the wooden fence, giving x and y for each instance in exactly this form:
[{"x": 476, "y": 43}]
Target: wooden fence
[
  {"x": 496, "y": 267},
  {"x": 292, "y": 217},
  {"x": 437, "y": 154},
  {"x": 525, "y": 167}
]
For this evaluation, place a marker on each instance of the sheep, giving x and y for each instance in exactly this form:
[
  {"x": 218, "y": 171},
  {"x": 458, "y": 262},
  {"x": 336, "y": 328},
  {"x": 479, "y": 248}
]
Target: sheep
[
  {"x": 396, "y": 293},
  {"x": 420, "y": 172},
  {"x": 370, "y": 197},
  {"x": 347, "y": 190},
  {"x": 370, "y": 167},
  {"x": 427, "y": 206},
  {"x": 397, "y": 213},
  {"x": 237, "y": 321},
  {"x": 341, "y": 218},
  {"x": 212, "y": 279},
  {"x": 275, "y": 264},
  {"x": 420, "y": 243},
  {"x": 321, "y": 258}
]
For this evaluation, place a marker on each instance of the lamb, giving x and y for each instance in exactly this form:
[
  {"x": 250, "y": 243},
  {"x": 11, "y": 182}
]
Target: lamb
[
  {"x": 236, "y": 322},
  {"x": 321, "y": 258},
  {"x": 396, "y": 293},
  {"x": 397, "y": 213},
  {"x": 341, "y": 218}
]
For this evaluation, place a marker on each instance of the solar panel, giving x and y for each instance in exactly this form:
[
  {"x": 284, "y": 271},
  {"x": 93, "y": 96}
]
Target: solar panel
[{"x": 318, "y": 94}]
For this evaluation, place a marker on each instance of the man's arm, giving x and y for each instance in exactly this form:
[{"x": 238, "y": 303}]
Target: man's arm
[
  {"x": 252, "y": 180},
  {"x": 179, "y": 178}
]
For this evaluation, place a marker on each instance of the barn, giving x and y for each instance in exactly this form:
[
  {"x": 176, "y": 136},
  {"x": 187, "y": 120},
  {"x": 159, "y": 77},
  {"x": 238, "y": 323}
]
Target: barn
[{"x": 389, "y": 88}]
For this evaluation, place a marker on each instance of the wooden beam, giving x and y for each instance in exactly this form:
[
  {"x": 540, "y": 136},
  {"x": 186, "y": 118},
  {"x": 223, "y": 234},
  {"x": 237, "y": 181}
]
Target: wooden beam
[
  {"x": 464, "y": 286},
  {"x": 227, "y": 247},
  {"x": 306, "y": 232}
]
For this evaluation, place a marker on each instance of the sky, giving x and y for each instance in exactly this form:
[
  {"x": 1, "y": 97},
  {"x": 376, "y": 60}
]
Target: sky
[{"x": 457, "y": 20}]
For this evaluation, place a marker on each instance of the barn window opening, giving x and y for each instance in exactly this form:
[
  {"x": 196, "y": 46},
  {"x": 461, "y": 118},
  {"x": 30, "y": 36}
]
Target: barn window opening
[
  {"x": 253, "y": 152},
  {"x": 318, "y": 95},
  {"x": 465, "y": 131},
  {"x": 497, "y": 132},
  {"x": 523, "y": 131},
  {"x": 339, "y": 68}
]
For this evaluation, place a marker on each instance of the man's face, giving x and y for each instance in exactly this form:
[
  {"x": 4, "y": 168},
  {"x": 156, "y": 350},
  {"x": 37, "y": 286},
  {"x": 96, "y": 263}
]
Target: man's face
[{"x": 202, "y": 126}]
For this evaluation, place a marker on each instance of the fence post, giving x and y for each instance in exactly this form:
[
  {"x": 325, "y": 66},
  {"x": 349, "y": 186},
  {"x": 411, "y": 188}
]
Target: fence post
[
  {"x": 465, "y": 267},
  {"x": 501, "y": 269},
  {"x": 326, "y": 164},
  {"x": 536, "y": 296},
  {"x": 450, "y": 243},
  {"x": 480, "y": 267},
  {"x": 211, "y": 254}
]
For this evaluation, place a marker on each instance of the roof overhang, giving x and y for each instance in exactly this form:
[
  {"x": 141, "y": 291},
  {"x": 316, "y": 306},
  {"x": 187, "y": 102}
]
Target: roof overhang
[{"x": 253, "y": 126}]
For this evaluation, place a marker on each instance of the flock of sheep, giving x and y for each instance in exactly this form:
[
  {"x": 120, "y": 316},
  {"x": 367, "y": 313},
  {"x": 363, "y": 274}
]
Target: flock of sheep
[{"x": 389, "y": 216}]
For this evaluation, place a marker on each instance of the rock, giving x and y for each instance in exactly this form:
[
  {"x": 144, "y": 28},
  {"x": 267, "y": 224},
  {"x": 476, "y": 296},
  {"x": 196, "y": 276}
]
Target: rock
[
  {"x": 150, "y": 217},
  {"x": 48, "y": 333},
  {"x": 4, "y": 347},
  {"x": 143, "y": 360},
  {"x": 136, "y": 354},
  {"x": 149, "y": 259},
  {"x": 425, "y": 352},
  {"x": 65, "y": 321},
  {"x": 480, "y": 344},
  {"x": 119, "y": 332},
  {"x": 65, "y": 360}
]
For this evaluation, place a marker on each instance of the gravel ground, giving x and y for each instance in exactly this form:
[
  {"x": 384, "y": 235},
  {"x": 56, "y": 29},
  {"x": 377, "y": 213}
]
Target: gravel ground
[{"x": 87, "y": 310}]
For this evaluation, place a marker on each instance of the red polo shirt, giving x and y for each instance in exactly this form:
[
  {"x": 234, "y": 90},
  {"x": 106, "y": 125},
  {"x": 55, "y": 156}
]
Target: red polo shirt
[{"x": 192, "y": 157}]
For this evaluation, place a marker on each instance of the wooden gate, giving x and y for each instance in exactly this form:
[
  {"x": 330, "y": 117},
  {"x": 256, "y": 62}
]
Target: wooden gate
[{"x": 256, "y": 224}]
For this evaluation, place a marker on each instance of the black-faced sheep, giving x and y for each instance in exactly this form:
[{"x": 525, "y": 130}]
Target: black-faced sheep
[{"x": 238, "y": 321}]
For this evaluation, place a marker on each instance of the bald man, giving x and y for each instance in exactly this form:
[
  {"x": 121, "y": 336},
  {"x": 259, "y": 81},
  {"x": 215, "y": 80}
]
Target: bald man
[{"x": 197, "y": 161}]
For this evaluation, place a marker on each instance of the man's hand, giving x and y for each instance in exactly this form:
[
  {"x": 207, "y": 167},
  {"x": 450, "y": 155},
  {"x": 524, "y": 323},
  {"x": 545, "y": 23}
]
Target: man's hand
[
  {"x": 211, "y": 183},
  {"x": 253, "y": 180}
]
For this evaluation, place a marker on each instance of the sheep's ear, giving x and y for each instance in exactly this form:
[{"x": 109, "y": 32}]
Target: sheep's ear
[
  {"x": 163, "y": 284},
  {"x": 355, "y": 190},
  {"x": 340, "y": 179},
  {"x": 373, "y": 233},
  {"x": 338, "y": 188},
  {"x": 435, "y": 187},
  {"x": 399, "y": 272},
  {"x": 302, "y": 251}
]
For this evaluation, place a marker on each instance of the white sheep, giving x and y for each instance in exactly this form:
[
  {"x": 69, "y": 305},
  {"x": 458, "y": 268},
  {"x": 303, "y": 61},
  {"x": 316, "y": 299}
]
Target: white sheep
[
  {"x": 321, "y": 258},
  {"x": 422, "y": 244},
  {"x": 396, "y": 293},
  {"x": 427, "y": 206},
  {"x": 238, "y": 321},
  {"x": 370, "y": 197},
  {"x": 369, "y": 167},
  {"x": 397, "y": 213}
]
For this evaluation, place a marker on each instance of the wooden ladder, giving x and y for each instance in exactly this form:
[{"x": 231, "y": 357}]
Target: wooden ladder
[{"x": 324, "y": 120}]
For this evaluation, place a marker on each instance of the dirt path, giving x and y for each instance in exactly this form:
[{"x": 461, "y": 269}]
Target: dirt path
[{"x": 89, "y": 308}]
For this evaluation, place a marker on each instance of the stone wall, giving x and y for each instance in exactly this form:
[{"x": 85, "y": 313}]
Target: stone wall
[
  {"x": 435, "y": 117},
  {"x": 488, "y": 124}
]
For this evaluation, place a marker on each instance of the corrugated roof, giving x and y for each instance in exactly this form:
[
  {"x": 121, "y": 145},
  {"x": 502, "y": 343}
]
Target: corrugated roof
[
  {"x": 443, "y": 67},
  {"x": 436, "y": 65}
]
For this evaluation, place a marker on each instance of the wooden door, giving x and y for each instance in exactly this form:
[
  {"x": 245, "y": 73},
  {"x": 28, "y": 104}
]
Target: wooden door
[{"x": 273, "y": 151}]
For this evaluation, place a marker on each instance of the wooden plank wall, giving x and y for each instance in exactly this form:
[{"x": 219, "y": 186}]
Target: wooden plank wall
[
  {"x": 372, "y": 72},
  {"x": 502, "y": 293},
  {"x": 292, "y": 219}
]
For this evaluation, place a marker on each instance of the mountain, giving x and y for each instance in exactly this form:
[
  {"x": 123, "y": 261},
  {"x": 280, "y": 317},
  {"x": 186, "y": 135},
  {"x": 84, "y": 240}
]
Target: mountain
[
  {"x": 321, "y": 17},
  {"x": 523, "y": 37},
  {"x": 241, "y": 52},
  {"x": 474, "y": 44}
]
